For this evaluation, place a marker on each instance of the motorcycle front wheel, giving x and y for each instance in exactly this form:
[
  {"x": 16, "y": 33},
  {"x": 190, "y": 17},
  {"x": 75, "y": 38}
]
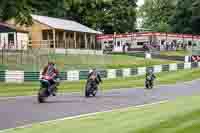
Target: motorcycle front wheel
[
  {"x": 87, "y": 90},
  {"x": 41, "y": 96},
  {"x": 149, "y": 85},
  {"x": 94, "y": 93}
]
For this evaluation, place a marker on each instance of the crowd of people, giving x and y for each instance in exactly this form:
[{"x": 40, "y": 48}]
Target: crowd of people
[
  {"x": 167, "y": 46},
  {"x": 172, "y": 46}
]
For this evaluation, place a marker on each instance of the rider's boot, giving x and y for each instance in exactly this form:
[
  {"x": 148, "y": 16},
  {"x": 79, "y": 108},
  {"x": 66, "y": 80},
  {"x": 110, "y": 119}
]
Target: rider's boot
[{"x": 49, "y": 90}]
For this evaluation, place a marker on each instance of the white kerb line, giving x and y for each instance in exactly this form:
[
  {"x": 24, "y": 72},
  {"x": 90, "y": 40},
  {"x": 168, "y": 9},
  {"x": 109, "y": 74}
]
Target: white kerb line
[{"x": 84, "y": 115}]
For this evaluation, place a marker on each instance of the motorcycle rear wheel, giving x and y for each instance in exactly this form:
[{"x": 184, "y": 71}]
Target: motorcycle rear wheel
[
  {"x": 149, "y": 85},
  {"x": 94, "y": 93},
  {"x": 87, "y": 90},
  {"x": 41, "y": 97}
]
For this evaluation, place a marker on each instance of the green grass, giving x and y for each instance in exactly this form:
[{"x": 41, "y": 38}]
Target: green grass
[
  {"x": 175, "y": 53},
  {"x": 68, "y": 62},
  {"x": 179, "y": 116},
  {"x": 163, "y": 78}
]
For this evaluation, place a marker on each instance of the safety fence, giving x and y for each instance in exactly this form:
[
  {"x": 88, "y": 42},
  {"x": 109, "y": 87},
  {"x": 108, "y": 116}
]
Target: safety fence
[
  {"x": 76, "y": 75},
  {"x": 35, "y": 59}
]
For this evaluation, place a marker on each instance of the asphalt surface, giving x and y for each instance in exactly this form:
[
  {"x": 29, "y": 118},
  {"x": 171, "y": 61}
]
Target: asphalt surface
[{"x": 22, "y": 111}]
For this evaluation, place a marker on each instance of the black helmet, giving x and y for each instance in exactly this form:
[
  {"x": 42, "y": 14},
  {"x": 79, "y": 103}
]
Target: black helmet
[
  {"x": 51, "y": 63},
  {"x": 150, "y": 71}
]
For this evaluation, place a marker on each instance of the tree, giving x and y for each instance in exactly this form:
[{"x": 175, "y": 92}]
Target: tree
[
  {"x": 181, "y": 19},
  {"x": 196, "y": 17},
  {"x": 119, "y": 16},
  {"x": 124, "y": 15},
  {"x": 156, "y": 14},
  {"x": 18, "y": 9},
  {"x": 105, "y": 15}
]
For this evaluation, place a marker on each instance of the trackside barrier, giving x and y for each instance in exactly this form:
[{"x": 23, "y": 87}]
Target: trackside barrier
[
  {"x": 73, "y": 75},
  {"x": 181, "y": 66},
  {"x": 119, "y": 73},
  {"x": 31, "y": 76},
  {"x": 111, "y": 74},
  {"x": 187, "y": 65},
  {"x": 14, "y": 76},
  {"x": 76, "y": 75},
  {"x": 141, "y": 70},
  {"x": 134, "y": 71},
  {"x": 173, "y": 67},
  {"x": 158, "y": 68},
  {"x": 126, "y": 72},
  {"x": 2, "y": 76},
  {"x": 165, "y": 68}
]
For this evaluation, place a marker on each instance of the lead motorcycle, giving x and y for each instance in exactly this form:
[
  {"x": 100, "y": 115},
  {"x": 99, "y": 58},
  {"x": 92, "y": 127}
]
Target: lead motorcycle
[
  {"x": 91, "y": 87},
  {"x": 45, "y": 91}
]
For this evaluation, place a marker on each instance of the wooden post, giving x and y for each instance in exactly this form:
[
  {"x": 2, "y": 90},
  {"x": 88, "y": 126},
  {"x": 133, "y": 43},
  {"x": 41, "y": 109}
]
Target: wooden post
[
  {"x": 21, "y": 52},
  {"x": 75, "y": 40},
  {"x": 90, "y": 42},
  {"x": 86, "y": 41},
  {"x": 94, "y": 39},
  {"x": 16, "y": 39},
  {"x": 64, "y": 39},
  {"x": 115, "y": 41},
  {"x": 54, "y": 38},
  {"x": 48, "y": 42}
]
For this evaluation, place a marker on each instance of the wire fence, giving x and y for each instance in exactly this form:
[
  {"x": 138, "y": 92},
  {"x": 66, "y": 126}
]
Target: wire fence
[{"x": 33, "y": 59}]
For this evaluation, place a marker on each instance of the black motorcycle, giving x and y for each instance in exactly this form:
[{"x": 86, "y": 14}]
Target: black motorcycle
[
  {"x": 91, "y": 87},
  {"x": 149, "y": 84},
  {"x": 45, "y": 92}
]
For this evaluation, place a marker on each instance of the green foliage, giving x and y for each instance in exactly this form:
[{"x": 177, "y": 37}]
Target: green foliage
[
  {"x": 179, "y": 16},
  {"x": 156, "y": 14},
  {"x": 108, "y": 16},
  {"x": 105, "y": 15},
  {"x": 186, "y": 18},
  {"x": 181, "y": 19},
  {"x": 18, "y": 9},
  {"x": 121, "y": 16},
  {"x": 196, "y": 17}
]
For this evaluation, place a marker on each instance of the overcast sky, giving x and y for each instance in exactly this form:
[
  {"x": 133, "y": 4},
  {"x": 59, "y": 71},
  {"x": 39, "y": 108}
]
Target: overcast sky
[{"x": 140, "y": 2}]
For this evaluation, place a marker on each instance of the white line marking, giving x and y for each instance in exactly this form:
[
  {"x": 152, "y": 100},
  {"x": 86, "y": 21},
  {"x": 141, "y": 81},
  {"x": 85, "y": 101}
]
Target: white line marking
[{"x": 84, "y": 115}]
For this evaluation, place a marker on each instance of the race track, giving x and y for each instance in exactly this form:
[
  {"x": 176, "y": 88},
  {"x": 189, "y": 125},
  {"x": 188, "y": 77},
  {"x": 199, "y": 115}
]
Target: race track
[{"x": 22, "y": 111}]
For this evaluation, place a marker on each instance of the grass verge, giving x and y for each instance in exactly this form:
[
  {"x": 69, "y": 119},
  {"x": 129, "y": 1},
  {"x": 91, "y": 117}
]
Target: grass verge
[
  {"x": 180, "y": 116},
  {"x": 175, "y": 53},
  {"x": 70, "y": 62},
  {"x": 162, "y": 78}
]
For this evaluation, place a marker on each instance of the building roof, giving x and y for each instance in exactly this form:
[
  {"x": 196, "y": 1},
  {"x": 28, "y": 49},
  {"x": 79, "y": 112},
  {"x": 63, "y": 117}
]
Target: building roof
[
  {"x": 4, "y": 27},
  {"x": 64, "y": 24}
]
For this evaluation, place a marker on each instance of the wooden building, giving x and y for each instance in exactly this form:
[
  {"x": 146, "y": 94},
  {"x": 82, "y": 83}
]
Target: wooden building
[
  {"x": 48, "y": 32},
  {"x": 12, "y": 38}
]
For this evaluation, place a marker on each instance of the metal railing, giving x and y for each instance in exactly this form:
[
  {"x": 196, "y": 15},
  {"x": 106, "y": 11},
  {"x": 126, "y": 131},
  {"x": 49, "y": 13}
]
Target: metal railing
[{"x": 65, "y": 44}]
